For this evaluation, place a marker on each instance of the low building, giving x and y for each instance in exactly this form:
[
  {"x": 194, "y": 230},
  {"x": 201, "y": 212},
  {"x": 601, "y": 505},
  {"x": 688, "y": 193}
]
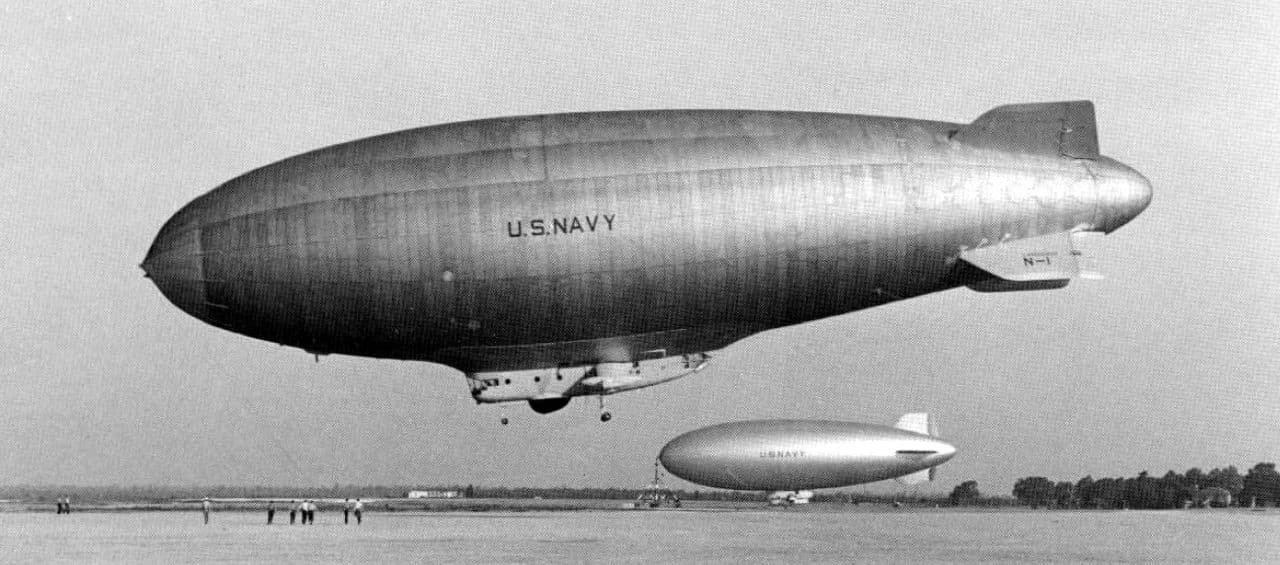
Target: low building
[{"x": 433, "y": 494}]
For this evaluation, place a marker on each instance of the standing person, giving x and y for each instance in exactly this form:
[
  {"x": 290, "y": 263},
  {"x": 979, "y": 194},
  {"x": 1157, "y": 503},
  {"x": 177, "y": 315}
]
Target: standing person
[
  {"x": 59, "y": 502},
  {"x": 306, "y": 512},
  {"x": 206, "y": 506},
  {"x": 346, "y": 512},
  {"x": 66, "y": 505},
  {"x": 293, "y": 511},
  {"x": 271, "y": 511},
  {"x": 359, "y": 509}
]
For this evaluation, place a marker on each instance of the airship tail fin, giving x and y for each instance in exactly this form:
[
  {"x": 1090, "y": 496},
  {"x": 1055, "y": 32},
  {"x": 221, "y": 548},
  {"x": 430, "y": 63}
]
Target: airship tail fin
[
  {"x": 921, "y": 423},
  {"x": 918, "y": 422},
  {"x": 1066, "y": 129},
  {"x": 917, "y": 477},
  {"x": 1035, "y": 263}
]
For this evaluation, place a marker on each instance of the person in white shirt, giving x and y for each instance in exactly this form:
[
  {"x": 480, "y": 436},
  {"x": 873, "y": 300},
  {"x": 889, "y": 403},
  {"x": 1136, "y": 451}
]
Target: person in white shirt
[
  {"x": 359, "y": 510},
  {"x": 206, "y": 506}
]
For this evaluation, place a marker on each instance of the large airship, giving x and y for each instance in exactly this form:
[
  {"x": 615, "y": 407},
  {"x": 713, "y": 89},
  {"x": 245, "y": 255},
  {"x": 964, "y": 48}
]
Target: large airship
[
  {"x": 553, "y": 256},
  {"x": 791, "y": 457}
]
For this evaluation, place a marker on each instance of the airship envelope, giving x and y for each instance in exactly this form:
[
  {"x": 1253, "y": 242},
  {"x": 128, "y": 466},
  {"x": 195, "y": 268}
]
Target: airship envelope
[{"x": 804, "y": 454}]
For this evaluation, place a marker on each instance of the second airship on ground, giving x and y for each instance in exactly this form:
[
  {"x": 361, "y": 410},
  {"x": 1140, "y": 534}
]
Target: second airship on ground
[{"x": 794, "y": 456}]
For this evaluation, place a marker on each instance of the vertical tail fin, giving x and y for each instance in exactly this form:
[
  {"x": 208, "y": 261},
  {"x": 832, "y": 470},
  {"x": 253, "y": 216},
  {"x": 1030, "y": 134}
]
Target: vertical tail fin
[
  {"x": 918, "y": 422},
  {"x": 1068, "y": 129},
  {"x": 921, "y": 423}
]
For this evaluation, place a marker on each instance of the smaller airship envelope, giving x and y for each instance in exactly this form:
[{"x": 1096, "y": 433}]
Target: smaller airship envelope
[{"x": 805, "y": 454}]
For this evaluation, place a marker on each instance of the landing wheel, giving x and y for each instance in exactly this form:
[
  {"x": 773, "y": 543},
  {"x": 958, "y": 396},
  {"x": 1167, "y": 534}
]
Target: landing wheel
[
  {"x": 505, "y": 421},
  {"x": 605, "y": 416}
]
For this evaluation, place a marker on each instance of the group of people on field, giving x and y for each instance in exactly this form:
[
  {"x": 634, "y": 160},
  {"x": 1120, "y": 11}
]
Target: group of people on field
[{"x": 306, "y": 509}]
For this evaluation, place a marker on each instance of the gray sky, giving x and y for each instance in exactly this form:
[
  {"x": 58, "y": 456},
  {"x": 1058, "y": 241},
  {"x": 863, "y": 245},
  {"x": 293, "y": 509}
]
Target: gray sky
[{"x": 116, "y": 117}]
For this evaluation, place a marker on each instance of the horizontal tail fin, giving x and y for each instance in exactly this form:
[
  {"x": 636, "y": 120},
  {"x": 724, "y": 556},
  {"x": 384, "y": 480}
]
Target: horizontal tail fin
[
  {"x": 1035, "y": 263},
  {"x": 1067, "y": 129}
]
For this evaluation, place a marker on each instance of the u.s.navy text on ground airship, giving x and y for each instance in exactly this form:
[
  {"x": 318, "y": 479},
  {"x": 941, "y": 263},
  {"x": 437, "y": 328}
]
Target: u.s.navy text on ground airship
[
  {"x": 793, "y": 456},
  {"x": 584, "y": 254}
]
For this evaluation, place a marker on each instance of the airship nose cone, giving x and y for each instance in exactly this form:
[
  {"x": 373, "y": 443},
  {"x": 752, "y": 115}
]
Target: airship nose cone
[
  {"x": 681, "y": 458},
  {"x": 174, "y": 264}
]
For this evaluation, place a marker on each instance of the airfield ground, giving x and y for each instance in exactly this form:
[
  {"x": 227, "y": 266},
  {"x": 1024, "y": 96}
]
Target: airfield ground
[{"x": 594, "y": 531}]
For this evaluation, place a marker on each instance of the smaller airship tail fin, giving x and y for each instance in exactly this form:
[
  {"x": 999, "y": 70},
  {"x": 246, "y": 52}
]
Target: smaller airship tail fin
[
  {"x": 921, "y": 423},
  {"x": 918, "y": 422},
  {"x": 916, "y": 477}
]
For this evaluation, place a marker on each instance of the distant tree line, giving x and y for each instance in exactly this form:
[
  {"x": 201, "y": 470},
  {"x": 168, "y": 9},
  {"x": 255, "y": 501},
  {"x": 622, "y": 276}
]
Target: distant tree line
[
  {"x": 1173, "y": 490},
  {"x": 160, "y": 493}
]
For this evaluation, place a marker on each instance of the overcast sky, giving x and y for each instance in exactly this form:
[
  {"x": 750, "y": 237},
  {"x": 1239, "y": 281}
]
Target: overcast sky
[{"x": 116, "y": 117}]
